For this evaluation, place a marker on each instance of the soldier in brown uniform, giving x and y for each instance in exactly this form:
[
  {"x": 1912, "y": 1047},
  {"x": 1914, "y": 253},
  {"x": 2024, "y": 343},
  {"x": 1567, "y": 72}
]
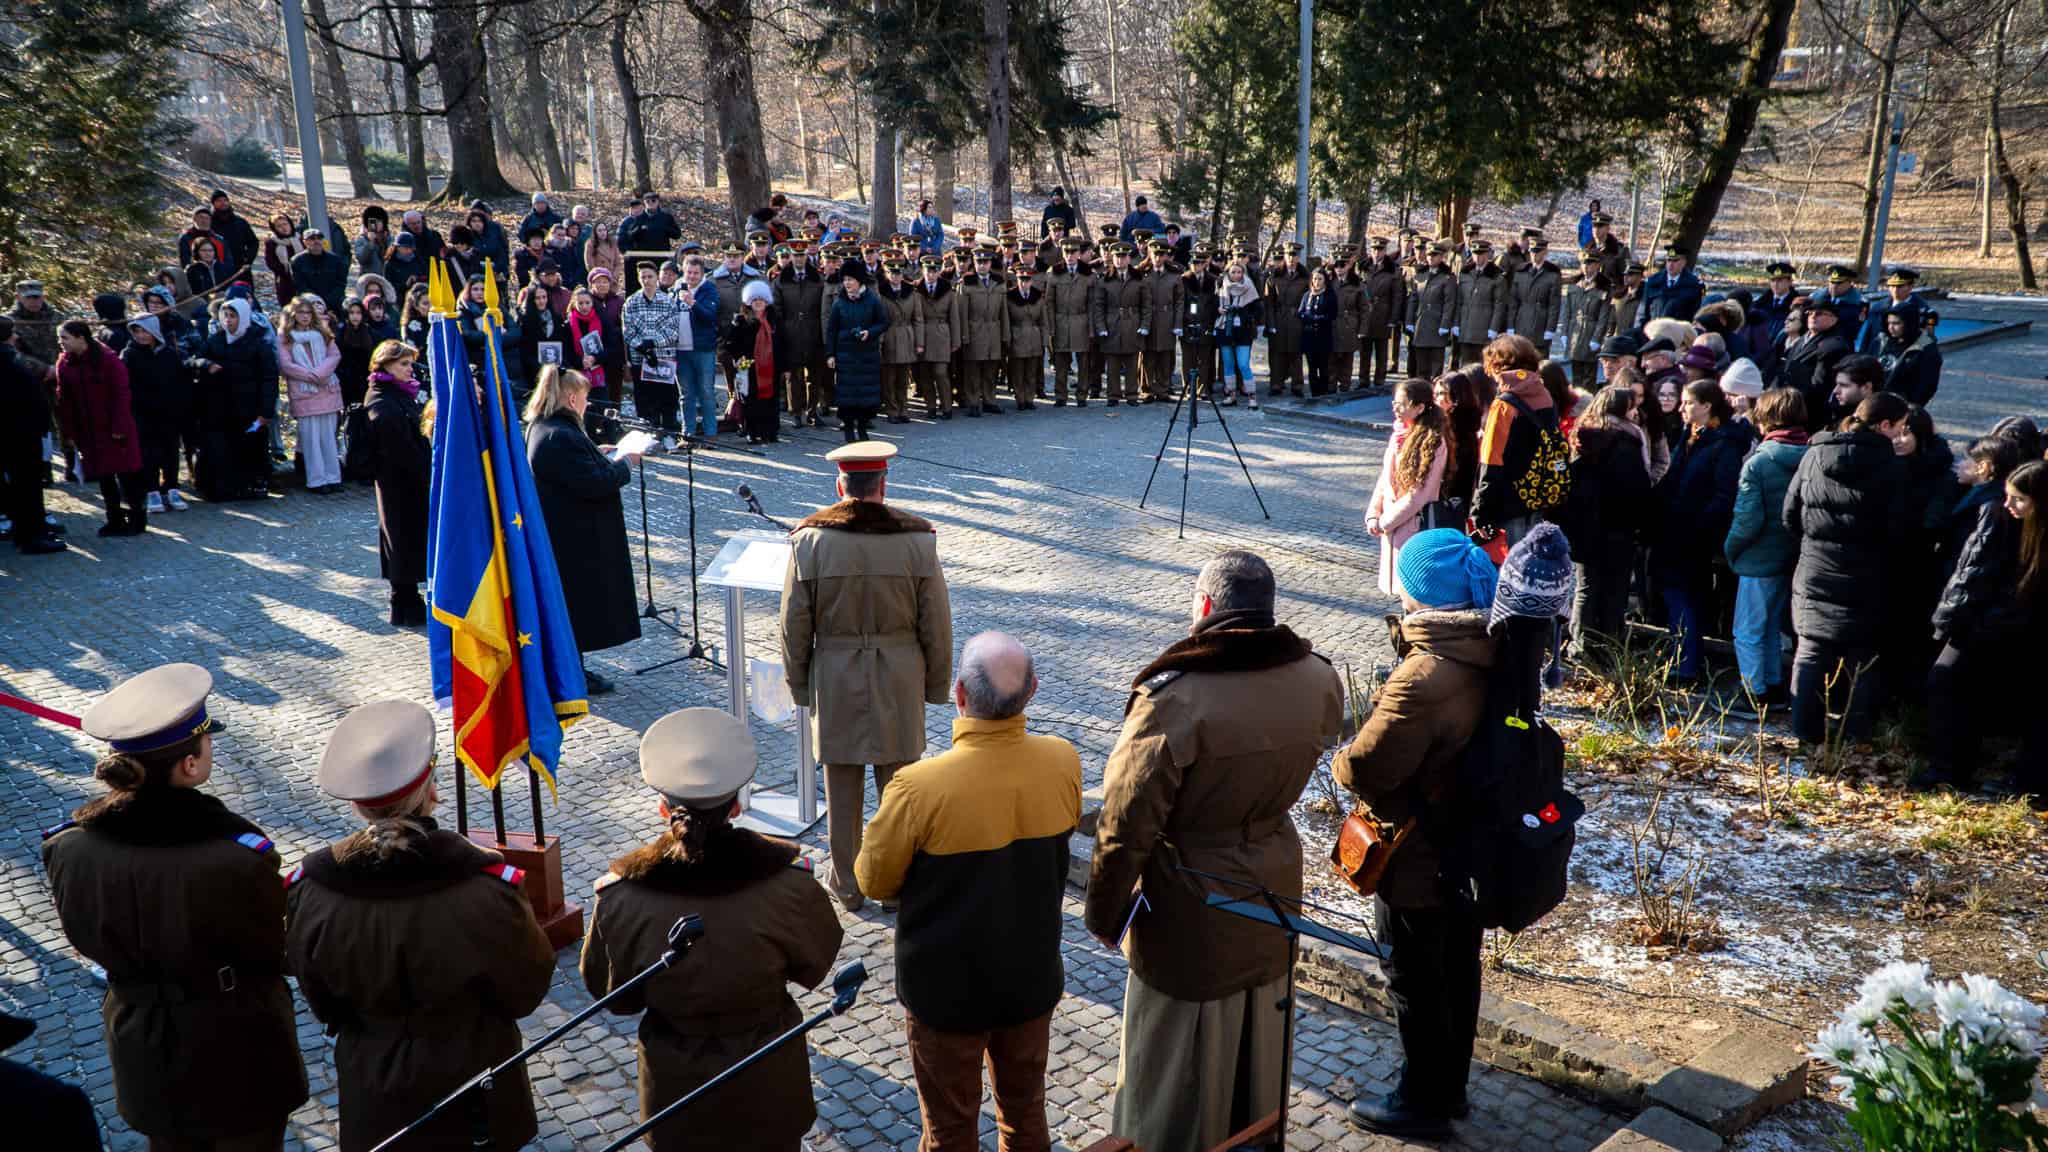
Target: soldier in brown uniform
[
  {"x": 1535, "y": 294},
  {"x": 766, "y": 925},
  {"x": 1284, "y": 288},
  {"x": 1432, "y": 310},
  {"x": 415, "y": 947},
  {"x": 867, "y": 640},
  {"x": 1024, "y": 337},
  {"x": 1613, "y": 255},
  {"x": 899, "y": 340},
  {"x": 179, "y": 900},
  {"x": 1385, "y": 306},
  {"x": 1628, "y": 302},
  {"x": 1349, "y": 334},
  {"x": 1482, "y": 305},
  {"x": 1122, "y": 321},
  {"x": 1163, "y": 325},
  {"x": 938, "y": 336},
  {"x": 1069, "y": 310},
  {"x": 1220, "y": 736},
  {"x": 982, "y": 337}
]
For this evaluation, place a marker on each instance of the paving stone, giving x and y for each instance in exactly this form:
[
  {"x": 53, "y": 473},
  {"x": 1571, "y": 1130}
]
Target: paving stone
[
  {"x": 1660, "y": 1130},
  {"x": 1040, "y": 535},
  {"x": 1733, "y": 1084}
]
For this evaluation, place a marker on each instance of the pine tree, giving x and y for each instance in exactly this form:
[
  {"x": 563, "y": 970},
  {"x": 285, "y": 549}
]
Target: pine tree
[
  {"x": 87, "y": 89},
  {"x": 1241, "y": 114}
]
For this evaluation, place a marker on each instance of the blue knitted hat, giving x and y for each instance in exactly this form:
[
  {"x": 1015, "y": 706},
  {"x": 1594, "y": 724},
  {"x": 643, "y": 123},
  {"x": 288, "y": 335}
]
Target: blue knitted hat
[{"x": 1440, "y": 568}]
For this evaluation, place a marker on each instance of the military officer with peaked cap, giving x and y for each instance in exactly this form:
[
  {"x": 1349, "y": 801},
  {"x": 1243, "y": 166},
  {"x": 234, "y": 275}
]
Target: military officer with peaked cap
[
  {"x": 766, "y": 923},
  {"x": 178, "y": 899},
  {"x": 867, "y": 640},
  {"x": 417, "y": 949}
]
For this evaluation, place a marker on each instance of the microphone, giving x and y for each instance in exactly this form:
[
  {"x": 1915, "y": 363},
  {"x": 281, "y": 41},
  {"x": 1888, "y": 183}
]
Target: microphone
[
  {"x": 687, "y": 930},
  {"x": 753, "y": 503},
  {"x": 846, "y": 986}
]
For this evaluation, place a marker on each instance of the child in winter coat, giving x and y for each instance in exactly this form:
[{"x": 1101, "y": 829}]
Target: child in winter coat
[{"x": 1419, "y": 455}]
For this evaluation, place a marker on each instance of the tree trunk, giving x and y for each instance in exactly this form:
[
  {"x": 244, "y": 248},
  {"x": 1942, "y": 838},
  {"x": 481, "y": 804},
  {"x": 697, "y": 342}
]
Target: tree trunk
[
  {"x": 1984, "y": 182},
  {"x": 1759, "y": 63},
  {"x": 539, "y": 115},
  {"x": 707, "y": 161},
  {"x": 496, "y": 80},
  {"x": 2015, "y": 200},
  {"x": 1059, "y": 166},
  {"x": 882, "y": 211},
  {"x": 1880, "y": 133},
  {"x": 805, "y": 157},
  {"x": 995, "y": 31},
  {"x": 405, "y": 35},
  {"x": 1357, "y": 214},
  {"x": 629, "y": 95},
  {"x": 389, "y": 71},
  {"x": 728, "y": 47},
  {"x": 1550, "y": 212},
  {"x": 1116, "y": 101},
  {"x": 347, "y": 124},
  {"x": 472, "y": 143},
  {"x": 945, "y": 171}
]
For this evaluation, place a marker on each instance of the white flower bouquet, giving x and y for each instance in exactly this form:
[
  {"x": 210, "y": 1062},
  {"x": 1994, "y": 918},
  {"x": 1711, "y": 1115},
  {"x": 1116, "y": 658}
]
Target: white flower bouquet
[{"x": 1957, "y": 1082}]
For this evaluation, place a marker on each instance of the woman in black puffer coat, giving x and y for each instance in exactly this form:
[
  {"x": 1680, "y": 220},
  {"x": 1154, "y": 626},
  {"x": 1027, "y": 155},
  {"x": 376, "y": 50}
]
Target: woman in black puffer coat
[
  {"x": 854, "y": 322},
  {"x": 1845, "y": 508},
  {"x": 1604, "y": 516},
  {"x": 1916, "y": 582},
  {"x": 1699, "y": 504}
]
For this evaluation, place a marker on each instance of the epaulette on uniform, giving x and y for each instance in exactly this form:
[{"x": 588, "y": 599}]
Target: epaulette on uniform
[
  {"x": 54, "y": 829},
  {"x": 605, "y": 881},
  {"x": 507, "y": 873},
  {"x": 294, "y": 876},
  {"x": 804, "y": 862},
  {"x": 254, "y": 841},
  {"x": 1155, "y": 682}
]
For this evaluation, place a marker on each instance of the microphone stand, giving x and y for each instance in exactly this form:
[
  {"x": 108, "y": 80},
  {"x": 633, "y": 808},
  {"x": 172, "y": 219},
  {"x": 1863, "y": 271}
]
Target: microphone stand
[
  {"x": 683, "y": 933},
  {"x": 845, "y": 989}
]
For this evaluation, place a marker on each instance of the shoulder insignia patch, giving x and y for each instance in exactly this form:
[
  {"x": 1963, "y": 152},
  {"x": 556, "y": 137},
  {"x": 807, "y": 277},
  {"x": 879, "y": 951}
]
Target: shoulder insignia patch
[
  {"x": 56, "y": 828},
  {"x": 1155, "y": 682},
  {"x": 605, "y": 881},
  {"x": 294, "y": 876},
  {"x": 804, "y": 862},
  {"x": 507, "y": 873},
  {"x": 1323, "y": 658},
  {"x": 253, "y": 842}
]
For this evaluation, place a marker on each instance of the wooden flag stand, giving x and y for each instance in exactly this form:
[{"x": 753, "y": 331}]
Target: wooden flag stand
[{"x": 536, "y": 855}]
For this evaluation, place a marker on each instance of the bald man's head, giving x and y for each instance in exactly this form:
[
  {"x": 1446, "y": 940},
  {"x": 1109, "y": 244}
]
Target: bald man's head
[{"x": 996, "y": 678}]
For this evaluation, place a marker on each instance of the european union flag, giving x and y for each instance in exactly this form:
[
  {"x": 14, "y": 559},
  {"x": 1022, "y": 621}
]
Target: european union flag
[{"x": 500, "y": 641}]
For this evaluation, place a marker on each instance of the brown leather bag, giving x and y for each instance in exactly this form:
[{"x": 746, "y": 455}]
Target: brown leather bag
[{"x": 1365, "y": 844}]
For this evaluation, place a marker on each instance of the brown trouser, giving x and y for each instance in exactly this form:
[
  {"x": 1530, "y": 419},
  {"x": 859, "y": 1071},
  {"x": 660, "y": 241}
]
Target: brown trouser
[
  {"x": 1339, "y": 367},
  {"x": 1283, "y": 355},
  {"x": 895, "y": 389},
  {"x": 978, "y": 390},
  {"x": 948, "y": 1066},
  {"x": 799, "y": 389},
  {"x": 1087, "y": 367},
  {"x": 1425, "y": 363},
  {"x": 263, "y": 1140},
  {"x": 934, "y": 386},
  {"x": 1120, "y": 375},
  {"x": 845, "y": 819},
  {"x": 824, "y": 384},
  {"x": 1377, "y": 347},
  {"x": 1027, "y": 379},
  {"x": 1159, "y": 374}
]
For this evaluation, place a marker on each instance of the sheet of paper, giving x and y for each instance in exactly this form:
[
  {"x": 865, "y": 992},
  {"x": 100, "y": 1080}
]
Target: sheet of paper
[
  {"x": 762, "y": 565},
  {"x": 631, "y": 442}
]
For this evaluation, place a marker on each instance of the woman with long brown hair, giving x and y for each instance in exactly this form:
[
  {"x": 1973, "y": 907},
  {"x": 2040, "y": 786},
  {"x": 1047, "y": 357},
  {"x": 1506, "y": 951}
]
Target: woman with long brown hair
[
  {"x": 1603, "y": 517},
  {"x": 579, "y": 499},
  {"x": 1420, "y": 458},
  {"x": 1458, "y": 396}
]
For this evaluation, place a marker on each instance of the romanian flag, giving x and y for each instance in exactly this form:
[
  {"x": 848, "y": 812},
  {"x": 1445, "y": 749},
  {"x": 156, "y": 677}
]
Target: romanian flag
[{"x": 503, "y": 654}]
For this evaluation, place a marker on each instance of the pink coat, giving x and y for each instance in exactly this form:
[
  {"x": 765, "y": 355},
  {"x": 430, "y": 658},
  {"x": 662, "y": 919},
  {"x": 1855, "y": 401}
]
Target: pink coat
[
  {"x": 1400, "y": 516},
  {"x": 93, "y": 409},
  {"x": 311, "y": 385}
]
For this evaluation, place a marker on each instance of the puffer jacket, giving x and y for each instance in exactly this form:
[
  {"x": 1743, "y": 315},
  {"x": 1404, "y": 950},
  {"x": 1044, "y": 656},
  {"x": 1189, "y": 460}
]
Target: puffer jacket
[
  {"x": 1757, "y": 543},
  {"x": 1610, "y": 494},
  {"x": 1843, "y": 508},
  {"x": 1981, "y": 600},
  {"x": 1700, "y": 492}
]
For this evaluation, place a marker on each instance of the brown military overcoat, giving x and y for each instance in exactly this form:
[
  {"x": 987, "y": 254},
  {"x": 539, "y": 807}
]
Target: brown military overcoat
[
  {"x": 180, "y": 901},
  {"x": 1027, "y": 323},
  {"x": 1220, "y": 737},
  {"x": 1122, "y": 306},
  {"x": 986, "y": 320},
  {"x": 867, "y": 631},
  {"x": 1070, "y": 308},
  {"x": 419, "y": 952},
  {"x": 767, "y": 924}
]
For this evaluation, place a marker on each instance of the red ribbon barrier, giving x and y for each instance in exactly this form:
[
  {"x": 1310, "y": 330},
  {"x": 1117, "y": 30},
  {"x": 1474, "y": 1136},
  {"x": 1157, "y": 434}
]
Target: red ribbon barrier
[{"x": 38, "y": 711}]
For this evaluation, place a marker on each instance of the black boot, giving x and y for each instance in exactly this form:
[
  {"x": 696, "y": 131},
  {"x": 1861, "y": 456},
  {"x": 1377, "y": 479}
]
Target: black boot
[{"x": 1392, "y": 1115}]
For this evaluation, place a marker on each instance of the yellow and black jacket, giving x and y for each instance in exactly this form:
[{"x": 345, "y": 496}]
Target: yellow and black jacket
[{"x": 973, "y": 843}]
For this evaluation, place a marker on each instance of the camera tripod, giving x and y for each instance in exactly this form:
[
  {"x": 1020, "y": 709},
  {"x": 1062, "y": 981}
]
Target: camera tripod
[{"x": 1194, "y": 403}]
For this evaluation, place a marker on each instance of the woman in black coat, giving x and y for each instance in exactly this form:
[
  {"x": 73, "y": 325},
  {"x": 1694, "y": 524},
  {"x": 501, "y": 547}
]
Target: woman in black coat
[
  {"x": 1609, "y": 504},
  {"x": 579, "y": 498},
  {"x": 1845, "y": 508},
  {"x": 854, "y": 322},
  {"x": 1699, "y": 503},
  {"x": 237, "y": 402},
  {"x": 1916, "y": 579},
  {"x": 402, "y": 462},
  {"x": 160, "y": 393},
  {"x": 1318, "y": 310},
  {"x": 755, "y": 335}
]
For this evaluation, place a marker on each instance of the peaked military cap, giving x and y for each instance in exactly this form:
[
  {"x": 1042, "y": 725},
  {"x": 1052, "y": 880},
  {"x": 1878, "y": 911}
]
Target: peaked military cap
[
  {"x": 379, "y": 754},
  {"x": 699, "y": 757},
  {"x": 1781, "y": 270},
  {"x": 153, "y": 710}
]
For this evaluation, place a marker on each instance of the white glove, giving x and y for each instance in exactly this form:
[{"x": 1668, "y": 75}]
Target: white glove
[
  {"x": 1490, "y": 334},
  {"x": 1144, "y": 331},
  {"x": 1176, "y": 331},
  {"x": 1445, "y": 331},
  {"x": 1454, "y": 330},
  {"x": 1104, "y": 332},
  {"x": 1549, "y": 334},
  {"x": 1409, "y": 328}
]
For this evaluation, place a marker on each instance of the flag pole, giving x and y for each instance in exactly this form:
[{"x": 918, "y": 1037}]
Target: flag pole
[
  {"x": 540, "y": 836},
  {"x": 498, "y": 809},
  {"x": 461, "y": 799}
]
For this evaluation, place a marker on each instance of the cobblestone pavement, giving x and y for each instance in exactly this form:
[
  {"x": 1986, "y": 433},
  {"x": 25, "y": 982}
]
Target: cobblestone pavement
[{"x": 1040, "y": 534}]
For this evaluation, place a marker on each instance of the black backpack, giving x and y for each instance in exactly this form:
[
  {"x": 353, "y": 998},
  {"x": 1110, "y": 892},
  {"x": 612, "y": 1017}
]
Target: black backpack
[{"x": 1507, "y": 829}]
